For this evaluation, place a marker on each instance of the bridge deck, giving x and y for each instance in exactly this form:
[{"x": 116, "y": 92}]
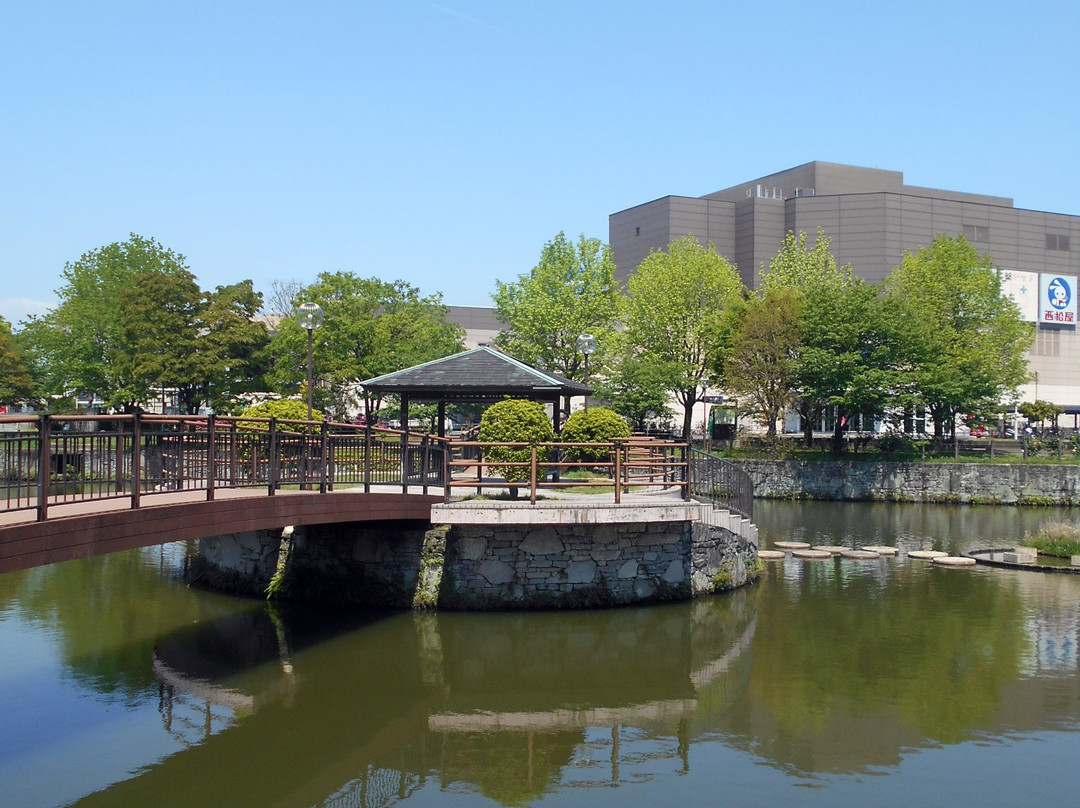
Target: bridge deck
[{"x": 81, "y": 529}]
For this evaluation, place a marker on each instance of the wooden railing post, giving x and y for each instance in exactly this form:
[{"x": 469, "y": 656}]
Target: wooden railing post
[
  {"x": 136, "y": 459},
  {"x": 44, "y": 470},
  {"x": 210, "y": 458}
]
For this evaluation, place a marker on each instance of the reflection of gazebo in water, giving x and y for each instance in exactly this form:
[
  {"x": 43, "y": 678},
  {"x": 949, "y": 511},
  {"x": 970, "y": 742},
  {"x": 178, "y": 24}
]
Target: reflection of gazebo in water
[{"x": 480, "y": 376}]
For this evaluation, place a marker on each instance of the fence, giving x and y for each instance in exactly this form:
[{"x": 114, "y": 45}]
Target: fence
[
  {"x": 622, "y": 466},
  {"x": 722, "y": 483},
  {"x": 53, "y": 460}
]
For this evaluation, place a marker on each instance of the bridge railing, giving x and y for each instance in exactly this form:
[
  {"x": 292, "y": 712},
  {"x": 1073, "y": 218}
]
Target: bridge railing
[
  {"x": 53, "y": 460},
  {"x": 619, "y": 466},
  {"x": 721, "y": 483}
]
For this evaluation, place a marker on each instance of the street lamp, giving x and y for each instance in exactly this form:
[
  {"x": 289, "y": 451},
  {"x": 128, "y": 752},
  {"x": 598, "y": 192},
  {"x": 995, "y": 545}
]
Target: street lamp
[
  {"x": 309, "y": 316},
  {"x": 586, "y": 343}
]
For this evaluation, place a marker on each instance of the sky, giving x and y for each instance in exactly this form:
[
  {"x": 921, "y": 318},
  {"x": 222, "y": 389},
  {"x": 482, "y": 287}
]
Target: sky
[{"x": 443, "y": 143}]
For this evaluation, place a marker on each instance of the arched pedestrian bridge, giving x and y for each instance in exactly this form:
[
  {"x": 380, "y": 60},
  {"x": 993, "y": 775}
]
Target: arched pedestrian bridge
[{"x": 79, "y": 486}]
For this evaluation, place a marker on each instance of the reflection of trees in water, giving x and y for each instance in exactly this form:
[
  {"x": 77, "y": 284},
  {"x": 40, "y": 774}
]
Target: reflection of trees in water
[
  {"x": 851, "y": 665},
  {"x": 106, "y": 611}
]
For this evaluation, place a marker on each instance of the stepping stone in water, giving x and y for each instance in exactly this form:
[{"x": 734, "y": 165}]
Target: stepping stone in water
[
  {"x": 954, "y": 561},
  {"x": 771, "y": 555},
  {"x": 860, "y": 555},
  {"x": 835, "y": 549},
  {"x": 812, "y": 554},
  {"x": 931, "y": 554},
  {"x": 881, "y": 549},
  {"x": 791, "y": 545}
]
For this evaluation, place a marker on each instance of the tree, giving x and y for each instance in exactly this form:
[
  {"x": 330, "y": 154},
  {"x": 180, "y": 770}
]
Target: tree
[
  {"x": 571, "y": 291},
  {"x": 16, "y": 383},
  {"x": 676, "y": 317},
  {"x": 1041, "y": 411},
  {"x": 370, "y": 327},
  {"x": 233, "y": 346},
  {"x": 843, "y": 357},
  {"x": 159, "y": 346},
  {"x": 82, "y": 343},
  {"x": 965, "y": 343},
  {"x": 594, "y": 425},
  {"x": 633, "y": 388},
  {"x": 760, "y": 367},
  {"x": 514, "y": 421}
]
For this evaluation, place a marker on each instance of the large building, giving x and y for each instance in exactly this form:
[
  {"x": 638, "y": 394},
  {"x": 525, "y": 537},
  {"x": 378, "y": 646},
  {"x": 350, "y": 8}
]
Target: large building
[{"x": 872, "y": 218}]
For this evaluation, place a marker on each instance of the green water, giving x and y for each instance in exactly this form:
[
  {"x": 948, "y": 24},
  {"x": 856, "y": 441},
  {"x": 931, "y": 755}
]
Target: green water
[{"x": 829, "y": 683}]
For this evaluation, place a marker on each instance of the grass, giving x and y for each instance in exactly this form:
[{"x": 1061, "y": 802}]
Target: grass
[{"x": 1058, "y": 539}]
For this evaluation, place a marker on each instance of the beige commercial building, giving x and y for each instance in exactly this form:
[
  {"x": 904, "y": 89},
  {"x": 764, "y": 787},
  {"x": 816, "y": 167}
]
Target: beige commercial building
[{"x": 872, "y": 218}]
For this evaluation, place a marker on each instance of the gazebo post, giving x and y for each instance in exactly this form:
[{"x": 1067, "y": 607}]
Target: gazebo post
[{"x": 441, "y": 429}]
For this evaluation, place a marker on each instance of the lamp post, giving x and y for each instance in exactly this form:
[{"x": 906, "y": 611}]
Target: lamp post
[
  {"x": 309, "y": 316},
  {"x": 586, "y": 343}
]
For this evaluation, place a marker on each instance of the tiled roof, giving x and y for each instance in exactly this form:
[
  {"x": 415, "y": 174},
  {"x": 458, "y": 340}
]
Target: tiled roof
[{"x": 480, "y": 373}]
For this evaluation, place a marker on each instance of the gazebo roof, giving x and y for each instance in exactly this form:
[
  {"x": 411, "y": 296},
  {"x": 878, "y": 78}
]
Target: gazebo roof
[{"x": 482, "y": 374}]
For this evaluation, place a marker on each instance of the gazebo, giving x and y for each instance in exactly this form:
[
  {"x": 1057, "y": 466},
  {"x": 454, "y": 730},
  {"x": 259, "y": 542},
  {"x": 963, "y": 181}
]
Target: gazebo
[{"x": 482, "y": 375}]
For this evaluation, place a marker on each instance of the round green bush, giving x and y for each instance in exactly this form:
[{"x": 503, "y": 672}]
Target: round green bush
[
  {"x": 284, "y": 409},
  {"x": 514, "y": 421},
  {"x": 596, "y": 425}
]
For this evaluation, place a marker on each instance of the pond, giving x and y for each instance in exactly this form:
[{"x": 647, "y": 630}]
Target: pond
[{"x": 828, "y": 683}]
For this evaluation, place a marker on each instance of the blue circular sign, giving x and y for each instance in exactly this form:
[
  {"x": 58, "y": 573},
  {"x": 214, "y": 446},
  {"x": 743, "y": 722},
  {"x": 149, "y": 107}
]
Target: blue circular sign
[{"x": 1059, "y": 294}]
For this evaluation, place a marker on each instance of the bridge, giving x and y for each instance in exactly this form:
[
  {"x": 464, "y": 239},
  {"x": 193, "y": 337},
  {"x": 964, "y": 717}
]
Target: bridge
[{"x": 75, "y": 486}]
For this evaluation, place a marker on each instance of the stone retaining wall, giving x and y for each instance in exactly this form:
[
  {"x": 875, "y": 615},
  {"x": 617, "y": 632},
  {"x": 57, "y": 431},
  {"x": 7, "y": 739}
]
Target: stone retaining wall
[
  {"x": 495, "y": 565},
  {"x": 915, "y": 482}
]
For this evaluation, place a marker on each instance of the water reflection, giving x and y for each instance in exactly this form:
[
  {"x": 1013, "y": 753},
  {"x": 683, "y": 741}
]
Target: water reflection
[{"x": 825, "y": 670}]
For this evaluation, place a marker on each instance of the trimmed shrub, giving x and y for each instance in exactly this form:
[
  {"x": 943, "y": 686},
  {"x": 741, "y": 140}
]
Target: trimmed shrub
[
  {"x": 285, "y": 409},
  {"x": 597, "y": 425},
  {"x": 514, "y": 421}
]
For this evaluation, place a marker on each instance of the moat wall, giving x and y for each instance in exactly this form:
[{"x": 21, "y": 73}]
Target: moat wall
[
  {"x": 972, "y": 483},
  {"x": 553, "y": 558}
]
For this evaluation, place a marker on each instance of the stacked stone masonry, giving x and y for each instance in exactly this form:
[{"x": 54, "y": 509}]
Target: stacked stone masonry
[
  {"x": 916, "y": 482},
  {"x": 492, "y": 566}
]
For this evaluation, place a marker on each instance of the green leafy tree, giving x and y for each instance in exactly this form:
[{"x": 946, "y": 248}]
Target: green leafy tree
[
  {"x": 965, "y": 343},
  {"x": 571, "y": 291},
  {"x": 233, "y": 356},
  {"x": 594, "y": 425},
  {"x": 634, "y": 388},
  {"x": 82, "y": 344},
  {"x": 760, "y": 367},
  {"x": 514, "y": 421},
  {"x": 676, "y": 317},
  {"x": 1040, "y": 411},
  {"x": 159, "y": 346},
  {"x": 844, "y": 358},
  {"x": 370, "y": 327},
  {"x": 16, "y": 384}
]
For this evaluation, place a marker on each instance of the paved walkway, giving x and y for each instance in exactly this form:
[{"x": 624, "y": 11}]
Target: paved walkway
[{"x": 491, "y": 495}]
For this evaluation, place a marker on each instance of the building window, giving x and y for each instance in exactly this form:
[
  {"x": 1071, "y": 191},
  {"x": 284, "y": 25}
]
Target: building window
[
  {"x": 1057, "y": 242},
  {"x": 637, "y": 231},
  {"x": 1048, "y": 342},
  {"x": 976, "y": 233}
]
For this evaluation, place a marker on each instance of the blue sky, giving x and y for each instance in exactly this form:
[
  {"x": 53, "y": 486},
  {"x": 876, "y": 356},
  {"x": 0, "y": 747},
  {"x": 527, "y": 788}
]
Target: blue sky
[{"x": 442, "y": 143}]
